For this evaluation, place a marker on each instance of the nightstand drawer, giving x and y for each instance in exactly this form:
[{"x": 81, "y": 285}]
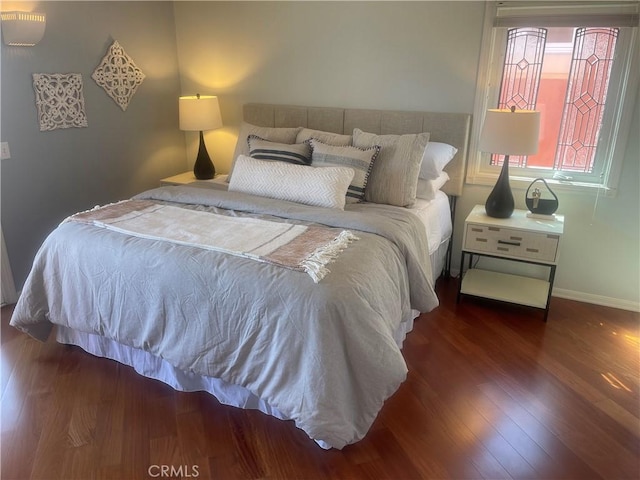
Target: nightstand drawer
[{"x": 507, "y": 242}]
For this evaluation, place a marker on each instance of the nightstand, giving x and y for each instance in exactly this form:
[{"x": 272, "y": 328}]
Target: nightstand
[
  {"x": 188, "y": 177},
  {"x": 519, "y": 239}
]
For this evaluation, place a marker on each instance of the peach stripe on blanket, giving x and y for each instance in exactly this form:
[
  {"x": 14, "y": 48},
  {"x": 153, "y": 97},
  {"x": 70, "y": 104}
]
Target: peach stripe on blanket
[{"x": 297, "y": 247}]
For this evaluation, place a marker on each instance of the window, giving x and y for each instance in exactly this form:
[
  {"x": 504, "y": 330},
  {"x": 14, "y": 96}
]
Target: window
[{"x": 574, "y": 64}]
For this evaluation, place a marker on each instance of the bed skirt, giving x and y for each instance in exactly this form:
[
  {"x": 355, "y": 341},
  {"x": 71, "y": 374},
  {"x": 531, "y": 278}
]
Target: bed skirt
[
  {"x": 150, "y": 366},
  {"x": 438, "y": 260}
]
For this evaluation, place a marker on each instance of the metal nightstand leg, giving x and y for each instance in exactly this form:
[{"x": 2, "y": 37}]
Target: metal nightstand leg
[
  {"x": 552, "y": 277},
  {"x": 460, "y": 276}
]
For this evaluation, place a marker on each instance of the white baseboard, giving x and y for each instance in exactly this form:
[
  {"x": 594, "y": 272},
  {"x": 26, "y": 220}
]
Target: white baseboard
[{"x": 597, "y": 299}]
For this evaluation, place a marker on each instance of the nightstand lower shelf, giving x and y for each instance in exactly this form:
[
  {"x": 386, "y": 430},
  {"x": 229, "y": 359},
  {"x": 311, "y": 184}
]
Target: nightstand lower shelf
[{"x": 531, "y": 292}]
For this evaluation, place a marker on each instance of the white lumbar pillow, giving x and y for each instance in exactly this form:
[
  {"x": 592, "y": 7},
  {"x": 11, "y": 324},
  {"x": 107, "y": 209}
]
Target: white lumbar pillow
[{"x": 319, "y": 187}]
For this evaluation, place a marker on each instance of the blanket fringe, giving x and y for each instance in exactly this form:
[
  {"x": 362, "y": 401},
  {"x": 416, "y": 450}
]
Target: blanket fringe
[
  {"x": 89, "y": 210},
  {"x": 316, "y": 263}
]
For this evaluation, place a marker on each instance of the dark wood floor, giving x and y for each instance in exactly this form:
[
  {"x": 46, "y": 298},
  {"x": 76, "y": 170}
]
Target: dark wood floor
[{"x": 492, "y": 392}]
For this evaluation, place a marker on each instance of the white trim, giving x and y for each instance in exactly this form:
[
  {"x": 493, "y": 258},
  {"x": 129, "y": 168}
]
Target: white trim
[
  {"x": 626, "y": 90},
  {"x": 569, "y": 20},
  {"x": 611, "y": 302},
  {"x": 480, "y": 104},
  {"x": 584, "y": 10},
  {"x": 559, "y": 186}
]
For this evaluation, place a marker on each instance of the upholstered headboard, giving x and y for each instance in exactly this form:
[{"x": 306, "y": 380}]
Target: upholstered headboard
[{"x": 451, "y": 128}]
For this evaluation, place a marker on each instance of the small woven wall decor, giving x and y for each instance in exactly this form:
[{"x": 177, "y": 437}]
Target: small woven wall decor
[
  {"x": 118, "y": 75},
  {"x": 59, "y": 100}
]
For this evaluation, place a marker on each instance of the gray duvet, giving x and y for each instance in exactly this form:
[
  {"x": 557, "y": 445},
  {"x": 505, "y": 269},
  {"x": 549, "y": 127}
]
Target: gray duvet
[{"x": 322, "y": 354}]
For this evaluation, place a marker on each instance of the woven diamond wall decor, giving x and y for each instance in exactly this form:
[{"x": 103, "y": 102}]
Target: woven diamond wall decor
[
  {"x": 118, "y": 75},
  {"x": 59, "y": 100}
]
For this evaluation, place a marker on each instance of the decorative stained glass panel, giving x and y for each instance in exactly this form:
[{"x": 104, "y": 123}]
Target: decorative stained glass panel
[
  {"x": 521, "y": 76},
  {"x": 591, "y": 64}
]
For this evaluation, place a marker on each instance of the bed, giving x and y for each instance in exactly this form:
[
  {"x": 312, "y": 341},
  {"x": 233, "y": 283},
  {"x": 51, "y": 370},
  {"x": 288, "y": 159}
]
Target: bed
[{"x": 317, "y": 342}]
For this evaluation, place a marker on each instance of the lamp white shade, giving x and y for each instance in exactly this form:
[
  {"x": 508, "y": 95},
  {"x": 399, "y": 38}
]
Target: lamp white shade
[
  {"x": 509, "y": 132},
  {"x": 22, "y": 29},
  {"x": 199, "y": 112}
]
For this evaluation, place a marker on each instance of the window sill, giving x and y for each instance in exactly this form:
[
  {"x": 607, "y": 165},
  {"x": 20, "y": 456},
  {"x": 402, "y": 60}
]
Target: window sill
[{"x": 558, "y": 186}]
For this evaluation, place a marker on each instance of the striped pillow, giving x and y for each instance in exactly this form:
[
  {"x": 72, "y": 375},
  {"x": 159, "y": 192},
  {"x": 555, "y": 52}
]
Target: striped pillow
[
  {"x": 297, "y": 153},
  {"x": 359, "y": 159},
  {"x": 274, "y": 134}
]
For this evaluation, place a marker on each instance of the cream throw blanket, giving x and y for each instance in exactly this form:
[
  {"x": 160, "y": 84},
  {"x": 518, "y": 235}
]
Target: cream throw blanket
[{"x": 297, "y": 247}]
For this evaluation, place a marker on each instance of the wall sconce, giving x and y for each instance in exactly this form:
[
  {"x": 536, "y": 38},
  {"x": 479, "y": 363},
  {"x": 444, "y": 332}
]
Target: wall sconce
[{"x": 22, "y": 29}]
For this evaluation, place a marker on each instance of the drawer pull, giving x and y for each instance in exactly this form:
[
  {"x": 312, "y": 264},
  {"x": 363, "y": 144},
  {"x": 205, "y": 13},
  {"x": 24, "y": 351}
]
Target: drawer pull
[
  {"x": 519, "y": 239},
  {"x": 494, "y": 229},
  {"x": 533, "y": 250},
  {"x": 502, "y": 249},
  {"x": 504, "y": 242},
  {"x": 475, "y": 229},
  {"x": 481, "y": 240}
]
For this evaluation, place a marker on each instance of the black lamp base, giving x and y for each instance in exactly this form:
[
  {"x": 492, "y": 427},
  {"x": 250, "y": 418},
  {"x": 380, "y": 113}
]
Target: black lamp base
[
  {"x": 203, "y": 169},
  {"x": 500, "y": 203}
]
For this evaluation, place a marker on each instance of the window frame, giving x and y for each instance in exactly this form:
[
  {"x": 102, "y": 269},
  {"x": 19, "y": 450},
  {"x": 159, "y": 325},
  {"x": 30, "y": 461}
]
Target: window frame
[{"x": 617, "y": 119}]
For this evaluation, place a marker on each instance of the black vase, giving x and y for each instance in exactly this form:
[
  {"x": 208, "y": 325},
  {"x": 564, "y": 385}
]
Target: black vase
[
  {"x": 500, "y": 201},
  {"x": 203, "y": 169}
]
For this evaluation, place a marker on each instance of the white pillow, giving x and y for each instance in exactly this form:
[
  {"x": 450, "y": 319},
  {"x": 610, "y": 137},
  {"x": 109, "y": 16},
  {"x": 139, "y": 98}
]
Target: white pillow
[
  {"x": 436, "y": 156},
  {"x": 319, "y": 187},
  {"x": 427, "y": 188}
]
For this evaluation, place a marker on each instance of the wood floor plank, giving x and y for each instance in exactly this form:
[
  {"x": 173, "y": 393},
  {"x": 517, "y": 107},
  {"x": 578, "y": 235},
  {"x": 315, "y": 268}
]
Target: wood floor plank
[
  {"x": 560, "y": 461},
  {"x": 418, "y": 425},
  {"x": 492, "y": 392},
  {"x": 110, "y": 426},
  {"x": 53, "y": 442},
  {"x": 562, "y": 411}
]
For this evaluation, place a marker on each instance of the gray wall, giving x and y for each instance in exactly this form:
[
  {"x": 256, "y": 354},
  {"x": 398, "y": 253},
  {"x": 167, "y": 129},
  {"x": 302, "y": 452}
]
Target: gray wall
[
  {"x": 393, "y": 55},
  {"x": 52, "y": 174},
  {"x": 387, "y": 55}
]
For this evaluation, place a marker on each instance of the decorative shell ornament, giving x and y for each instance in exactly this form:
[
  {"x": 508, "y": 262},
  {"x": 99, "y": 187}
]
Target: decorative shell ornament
[{"x": 118, "y": 75}]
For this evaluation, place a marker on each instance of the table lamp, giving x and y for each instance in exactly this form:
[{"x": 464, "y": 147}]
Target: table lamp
[
  {"x": 199, "y": 113},
  {"x": 507, "y": 132}
]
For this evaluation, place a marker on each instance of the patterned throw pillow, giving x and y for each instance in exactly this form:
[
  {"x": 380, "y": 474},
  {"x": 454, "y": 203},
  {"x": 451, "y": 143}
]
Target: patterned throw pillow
[
  {"x": 298, "y": 153},
  {"x": 274, "y": 134},
  {"x": 359, "y": 159},
  {"x": 319, "y": 187},
  {"x": 394, "y": 177}
]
